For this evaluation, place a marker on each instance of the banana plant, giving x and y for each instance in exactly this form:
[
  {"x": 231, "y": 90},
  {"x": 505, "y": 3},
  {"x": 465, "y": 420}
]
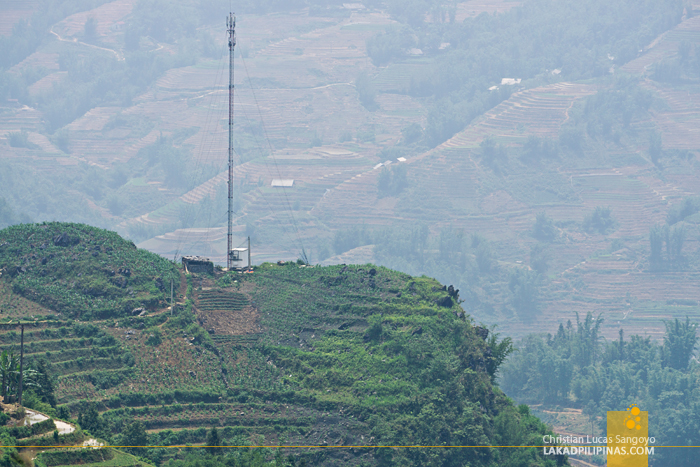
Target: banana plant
[{"x": 9, "y": 374}]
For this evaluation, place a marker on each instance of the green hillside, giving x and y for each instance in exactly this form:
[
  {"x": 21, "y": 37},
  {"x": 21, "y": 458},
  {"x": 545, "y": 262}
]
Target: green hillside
[
  {"x": 288, "y": 355},
  {"x": 81, "y": 271}
]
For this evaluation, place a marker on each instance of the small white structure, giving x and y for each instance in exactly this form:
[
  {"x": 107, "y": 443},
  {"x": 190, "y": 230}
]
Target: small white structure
[
  {"x": 556, "y": 71},
  {"x": 493, "y": 88},
  {"x": 510, "y": 81},
  {"x": 415, "y": 52},
  {"x": 377, "y": 166},
  {"x": 282, "y": 182},
  {"x": 238, "y": 258},
  {"x": 443, "y": 45},
  {"x": 401, "y": 159}
]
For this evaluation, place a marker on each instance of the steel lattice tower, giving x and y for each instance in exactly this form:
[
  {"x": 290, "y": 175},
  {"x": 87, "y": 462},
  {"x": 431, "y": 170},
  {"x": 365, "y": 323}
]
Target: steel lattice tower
[{"x": 231, "y": 28}]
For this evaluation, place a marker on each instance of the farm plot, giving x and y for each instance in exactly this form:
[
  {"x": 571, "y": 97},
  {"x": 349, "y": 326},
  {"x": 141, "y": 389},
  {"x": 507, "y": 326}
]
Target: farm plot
[
  {"x": 84, "y": 358},
  {"x": 47, "y": 83},
  {"x": 614, "y": 285},
  {"x": 107, "y": 17},
  {"x": 634, "y": 204},
  {"x": 223, "y": 312},
  {"x": 242, "y": 416},
  {"x": 13, "y": 11},
  {"x": 38, "y": 59},
  {"x": 664, "y": 46},
  {"x": 355, "y": 199},
  {"x": 396, "y": 77},
  {"x": 20, "y": 118},
  {"x": 679, "y": 123},
  {"x": 474, "y": 8},
  {"x": 336, "y": 51},
  {"x": 539, "y": 111}
]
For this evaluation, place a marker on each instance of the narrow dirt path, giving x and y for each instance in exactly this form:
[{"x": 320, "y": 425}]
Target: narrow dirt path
[
  {"x": 119, "y": 55},
  {"x": 33, "y": 417}
]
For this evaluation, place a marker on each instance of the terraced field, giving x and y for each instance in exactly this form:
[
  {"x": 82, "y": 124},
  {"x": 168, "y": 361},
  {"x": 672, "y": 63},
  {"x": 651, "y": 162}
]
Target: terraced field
[
  {"x": 108, "y": 19},
  {"x": 540, "y": 111},
  {"x": 476, "y": 7},
  {"x": 13, "y": 11},
  {"x": 245, "y": 353}
]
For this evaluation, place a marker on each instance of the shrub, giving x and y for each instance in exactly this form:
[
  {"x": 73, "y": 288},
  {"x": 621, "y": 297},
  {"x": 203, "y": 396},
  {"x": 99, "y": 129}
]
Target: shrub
[
  {"x": 600, "y": 220},
  {"x": 544, "y": 229},
  {"x": 20, "y": 139},
  {"x": 154, "y": 337}
]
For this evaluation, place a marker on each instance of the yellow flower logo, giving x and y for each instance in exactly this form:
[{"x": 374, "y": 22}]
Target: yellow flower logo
[{"x": 633, "y": 419}]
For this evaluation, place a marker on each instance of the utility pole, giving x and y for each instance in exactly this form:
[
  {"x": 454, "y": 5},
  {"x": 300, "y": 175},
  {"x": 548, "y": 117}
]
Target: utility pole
[
  {"x": 231, "y": 29},
  {"x": 248, "y": 253},
  {"x": 21, "y": 363}
]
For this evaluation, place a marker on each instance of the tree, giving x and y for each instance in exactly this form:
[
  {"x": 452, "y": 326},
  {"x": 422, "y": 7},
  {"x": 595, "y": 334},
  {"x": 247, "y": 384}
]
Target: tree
[
  {"x": 493, "y": 154},
  {"x": 655, "y": 148},
  {"x": 484, "y": 257},
  {"x": 539, "y": 258},
  {"x": 656, "y": 243},
  {"x": 90, "y": 30},
  {"x": 213, "y": 441},
  {"x": 90, "y": 420},
  {"x": 679, "y": 212},
  {"x": 20, "y": 139},
  {"x": 135, "y": 436},
  {"x": 679, "y": 343},
  {"x": 499, "y": 352},
  {"x": 524, "y": 286},
  {"x": 600, "y": 220},
  {"x": 535, "y": 149},
  {"x": 676, "y": 240},
  {"x": 366, "y": 92},
  {"x": 9, "y": 370},
  {"x": 586, "y": 341},
  {"x": 412, "y": 133},
  {"x": 45, "y": 388},
  {"x": 589, "y": 410},
  {"x": 544, "y": 228},
  {"x": 392, "y": 182}
]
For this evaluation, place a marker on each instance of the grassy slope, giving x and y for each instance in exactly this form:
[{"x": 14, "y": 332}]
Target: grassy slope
[
  {"x": 339, "y": 355},
  {"x": 81, "y": 270}
]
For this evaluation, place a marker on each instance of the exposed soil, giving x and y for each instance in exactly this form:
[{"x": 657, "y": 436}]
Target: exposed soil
[{"x": 231, "y": 323}]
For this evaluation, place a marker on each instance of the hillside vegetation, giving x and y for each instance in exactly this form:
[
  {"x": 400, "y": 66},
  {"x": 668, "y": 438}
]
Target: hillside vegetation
[
  {"x": 575, "y": 370},
  {"x": 287, "y": 355},
  {"x": 81, "y": 271}
]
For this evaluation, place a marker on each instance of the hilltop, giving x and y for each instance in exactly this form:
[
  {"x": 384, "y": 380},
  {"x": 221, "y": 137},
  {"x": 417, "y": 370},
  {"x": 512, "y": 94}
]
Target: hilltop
[
  {"x": 287, "y": 355},
  {"x": 81, "y": 271}
]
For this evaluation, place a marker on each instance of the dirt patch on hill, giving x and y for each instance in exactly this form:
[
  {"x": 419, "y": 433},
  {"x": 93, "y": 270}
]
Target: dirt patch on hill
[
  {"x": 225, "y": 312},
  {"x": 230, "y": 323}
]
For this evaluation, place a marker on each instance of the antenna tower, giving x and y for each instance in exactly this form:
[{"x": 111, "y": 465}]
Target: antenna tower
[{"x": 231, "y": 28}]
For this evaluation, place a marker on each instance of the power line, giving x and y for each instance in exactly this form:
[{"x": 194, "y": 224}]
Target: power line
[{"x": 262, "y": 121}]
